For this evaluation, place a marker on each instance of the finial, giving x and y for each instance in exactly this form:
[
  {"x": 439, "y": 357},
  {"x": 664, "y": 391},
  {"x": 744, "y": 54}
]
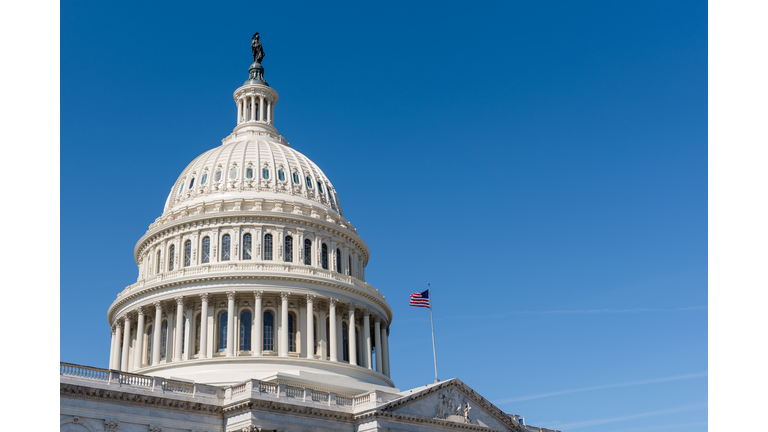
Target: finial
[{"x": 256, "y": 71}]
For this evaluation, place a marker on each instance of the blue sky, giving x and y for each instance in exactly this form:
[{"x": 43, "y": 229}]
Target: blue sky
[{"x": 542, "y": 165}]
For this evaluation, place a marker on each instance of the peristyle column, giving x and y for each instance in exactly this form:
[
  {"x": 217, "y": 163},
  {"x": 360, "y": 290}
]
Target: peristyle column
[
  {"x": 118, "y": 342},
  {"x": 139, "y": 348},
  {"x": 179, "y": 328},
  {"x": 258, "y": 315},
  {"x": 283, "y": 348},
  {"x": 332, "y": 330},
  {"x": 377, "y": 336},
  {"x": 385, "y": 351},
  {"x": 352, "y": 341},
  {"x": 204, "y": 326},
  {"x": 261, "y": 108},
  {"x": 112, "y": 347},
  {"x": 230, "y": 323},
  {"x": 156, "y": 328},
  {"x": 367, "y": 338},
  {"x": 310, "y": 327},
  {"x": 126, "y": 343}
]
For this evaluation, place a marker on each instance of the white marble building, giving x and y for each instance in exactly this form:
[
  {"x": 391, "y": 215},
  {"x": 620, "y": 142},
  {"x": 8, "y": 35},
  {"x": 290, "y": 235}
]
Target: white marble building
[{"x": 252, "y": 312}]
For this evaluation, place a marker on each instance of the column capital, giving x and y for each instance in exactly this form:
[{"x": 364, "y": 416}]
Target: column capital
[
  {"x": 310, "y": 298},
  {"x": 158, "y": 305},
  {"x": 367, "y": 313},
  {"x": 140, "y": 310},
  {"x": 284, "y": 295},
  {"x": 376, "y": 319},
  {"x": 333, "y": 302},
  {"x": 179, "y": 300},
  {"x": 204, "y": 297},
  {"x": 231, "y": 295},
  {"x": 119, "y": 323},
  {"x": 352, "y": 308},
  {"x": 127, "y": 319},
  {"x": 113, "y": 329},
  {"x": 258, "y": 293}
]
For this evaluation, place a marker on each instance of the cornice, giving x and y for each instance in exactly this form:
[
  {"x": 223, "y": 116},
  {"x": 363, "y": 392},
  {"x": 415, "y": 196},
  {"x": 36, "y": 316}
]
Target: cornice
[
  {"x": 208, "y": 278},
  {"x": 83, "y": 392},
  {"x": 260, "y": 404},
  {"x": 418, "y": 419}
]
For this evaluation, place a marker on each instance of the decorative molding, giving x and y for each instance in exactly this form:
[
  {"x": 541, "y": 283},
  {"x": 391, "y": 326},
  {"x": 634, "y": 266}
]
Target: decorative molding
[{"x": 111, "y": 425}]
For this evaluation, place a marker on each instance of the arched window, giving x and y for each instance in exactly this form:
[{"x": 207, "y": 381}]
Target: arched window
[
  {"x": 338, "y": 260},
  {"x": 206, "y": 250},
  {"x": 221, "y": 346},
  {"x": 183, "y": 333},
  {"x": 204, "y": 179},
  {"x": 163, "y": 339},
  {"x": 225, "y": 247},
  {"x": 327, "y": 332},
  {"x": 320, "y": 186},
  {"x": 249, "y": 173},
  {"x": 149, "y": 345},
  {"x": 344, "y": 341},
  {"x": 349, "y": 265},
  {"x": 307, "y": 251},
  {"x": 269, "y": 331},
  {"x": 296, "y": 178},
  {"x": 171, "y": 253},
  {"x": 288, "y": 248},
  {"x": 191, "y": 182},
  {"x": 309, "y": 182},
  {"x": 245, "y": 330},
  {"x": 157, "y": 263},
  {"x": 198, "y": 319},
  {"x": 217, "y": 176},
  {"x": 324, "y": 256},
  {"x": 265, "y": 173},
  {"x": 233, "y": 173},
  {"x": 247, "y": 246},
  {"x": 267, "y": 246},
  {"x": 281, "y": 175},
  {"x": 187, "y": 253},
  {"x": 291, "y": 332}
]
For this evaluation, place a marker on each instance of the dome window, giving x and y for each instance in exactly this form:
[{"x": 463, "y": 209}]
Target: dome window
[
  {"x": 309, "y": 182},
  {"x": 268, "y": 337},
  {"x": 307, "y": 252},
  {"x": 181, "y": 187},
  {"x": 245, "y": 330},
  {"x": 324, "y": 256},
  {"x": 191, "y": 182},
  {"x": 320, "y": 186},
  {"x": 217, "y": 176},
  {"x": 206, "y": 250},
  {"x": 222, "y": 342},
  {"x": 249, "y": 173},
  {"x": 296, "y": 178},
  {"x": 247, "y": 246},
  {"x": 288, "y": 247},
  {"x": 225, "y": 244},
  {"x": 204, "y": 178},
  {"x": 233, "y": 173},
  {"x": 268, "y": 247},
  {"x": 171, "y": 255},
  {"x": 265, "y": 173},
  {"x": 281, "y": 175}
]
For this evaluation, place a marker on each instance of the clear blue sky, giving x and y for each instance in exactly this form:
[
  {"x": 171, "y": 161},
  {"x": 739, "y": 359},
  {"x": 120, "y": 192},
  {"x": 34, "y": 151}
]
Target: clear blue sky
[{"x": 542, "y": 164}]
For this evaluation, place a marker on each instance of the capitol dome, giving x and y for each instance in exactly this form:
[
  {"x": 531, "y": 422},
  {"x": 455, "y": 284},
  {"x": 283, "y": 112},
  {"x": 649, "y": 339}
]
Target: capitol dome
[{"x": 252, "y": 272}]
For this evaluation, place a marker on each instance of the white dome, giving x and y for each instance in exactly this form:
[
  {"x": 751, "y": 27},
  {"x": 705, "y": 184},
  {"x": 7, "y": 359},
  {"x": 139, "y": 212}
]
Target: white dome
[{"x": 236, "y": 170}]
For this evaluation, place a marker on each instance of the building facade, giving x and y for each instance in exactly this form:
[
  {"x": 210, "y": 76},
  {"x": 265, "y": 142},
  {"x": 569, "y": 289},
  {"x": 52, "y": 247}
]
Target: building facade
[{"x": 251, "y": 310}]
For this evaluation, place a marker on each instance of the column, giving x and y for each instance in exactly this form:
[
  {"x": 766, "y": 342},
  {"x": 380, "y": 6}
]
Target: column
[
  {"x": 138, "y": 349},
  {"x": 258, "y": 316},
  {"x": 283, "y": 348},
  {"x": 240, "y": 111},
  {"x": 230, "y": 323},
  {"x": 188, "y": 333},
  {"x": 204, "y": 326},
  {"x": 179, "y": 328},
  {"x": 377, "y": 336},
  {"x": 111, "y": 348},
  {"x": 261, "y": 108},
  {"x": 310, "y": 326},
  {"x": 156, "y": 332},
  {"x": 352, "y": 341},
  {"x": 367, "y": 361},
  {"x": 269, "y": 110},
  {"x": 323, "y": 337},
  {"x": 332, "y": 329},
  {"x": 385, "y": 351},
  {"x": 118, "y": 340},
  {"x": 252, "y": 106},
  {"x": 301, "y": 332},
  {"x": 126, "y": 341}
]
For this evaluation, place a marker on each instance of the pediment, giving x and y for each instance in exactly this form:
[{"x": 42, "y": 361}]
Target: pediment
[{"x": 453, "y": 401}]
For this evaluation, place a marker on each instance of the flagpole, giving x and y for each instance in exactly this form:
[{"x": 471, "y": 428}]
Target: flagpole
[{"x": 431, "y": 321}]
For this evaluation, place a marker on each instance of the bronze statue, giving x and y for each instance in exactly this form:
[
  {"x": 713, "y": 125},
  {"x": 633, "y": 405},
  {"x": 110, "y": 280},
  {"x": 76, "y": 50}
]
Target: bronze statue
[{"x": 258, "y": 51}]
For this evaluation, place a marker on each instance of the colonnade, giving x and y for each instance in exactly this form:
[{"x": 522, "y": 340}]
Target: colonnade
[
  {"x": 132, "y": 350},
  {"x": 255, "y": 107}
]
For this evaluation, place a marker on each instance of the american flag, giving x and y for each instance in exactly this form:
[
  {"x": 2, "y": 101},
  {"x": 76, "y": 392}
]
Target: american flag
[{"x": 420, "y": 299}]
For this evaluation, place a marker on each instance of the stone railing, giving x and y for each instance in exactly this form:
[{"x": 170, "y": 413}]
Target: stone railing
[
  {"x": 251, "y": 389},
  {"x": 237, "y": 266}
]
